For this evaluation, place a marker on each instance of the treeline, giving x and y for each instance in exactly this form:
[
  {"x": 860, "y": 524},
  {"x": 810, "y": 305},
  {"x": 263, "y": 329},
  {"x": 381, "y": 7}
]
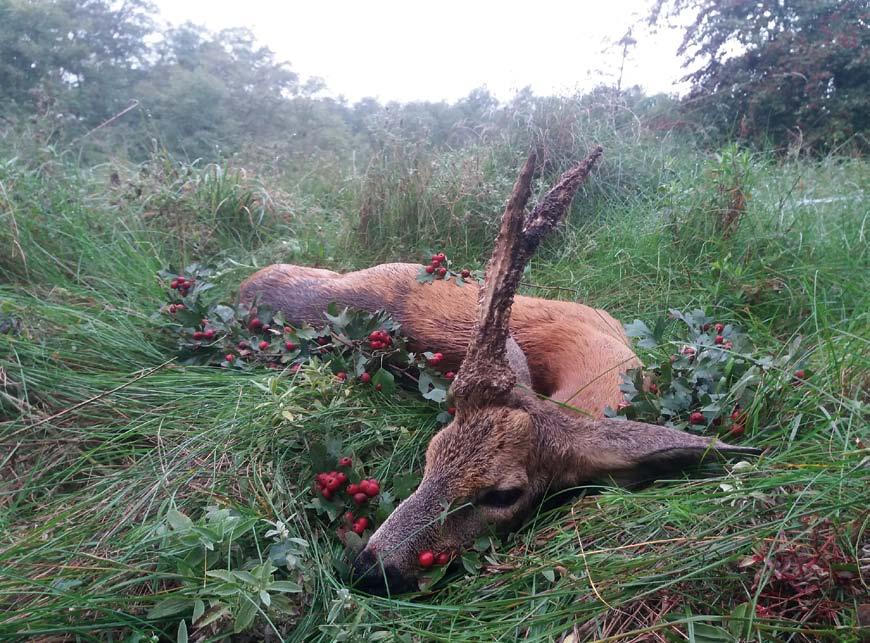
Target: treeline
[{"x": 107, "y": 75}]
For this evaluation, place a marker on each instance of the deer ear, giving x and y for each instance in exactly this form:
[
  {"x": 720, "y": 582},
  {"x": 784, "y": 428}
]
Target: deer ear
[{"x": 634, "y": 453}]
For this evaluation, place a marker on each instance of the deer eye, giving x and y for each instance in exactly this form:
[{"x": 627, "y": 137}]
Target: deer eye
[{"x": 500, "y": 497}]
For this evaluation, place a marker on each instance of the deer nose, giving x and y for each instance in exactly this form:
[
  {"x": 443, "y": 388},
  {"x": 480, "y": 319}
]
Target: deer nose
[{"x": 375, "y": 576}]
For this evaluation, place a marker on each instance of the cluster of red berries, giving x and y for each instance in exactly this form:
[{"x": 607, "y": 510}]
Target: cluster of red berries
[
  {"x": 330, "y": 483},
  {"x": 182, "y": 285},
  {"x": 435, "y": 268},
  {"x": 440, "y": 271},
  {"x": 174, "y": 308},
  {"x": 436, "y": 359},
  {"x": 205, "y": 334},
  {"x": 380, "y": 339},
  {"x": 356, "y": 525},
  {"x": 427, "y": 558}
]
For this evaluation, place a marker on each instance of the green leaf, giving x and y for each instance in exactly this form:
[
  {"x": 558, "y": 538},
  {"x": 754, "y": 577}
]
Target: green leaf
[
  {"x": 245, "y": 615},
  {"x": 169, "y": 607},
  {"x": 383, "y": 377},
  {"x": 222, "y": 574},
  {"x": 740, "y": 621},
  {"x": 178, "y": 521},
  {"x": 549, "y": 574},
  {"x": 226, "y": 314},
  {"x": 286, "y": 586},
  {"x": 246, "y": 577},
  {"x": 181, "y": 635},
  {"x": 265, "y": 598},
  {"x": 198, "y": 611},
  {"x": 704, "y": 633}
]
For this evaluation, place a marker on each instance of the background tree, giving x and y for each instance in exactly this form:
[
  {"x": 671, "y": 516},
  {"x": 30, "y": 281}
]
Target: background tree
[{"x": 781, "y": 71}]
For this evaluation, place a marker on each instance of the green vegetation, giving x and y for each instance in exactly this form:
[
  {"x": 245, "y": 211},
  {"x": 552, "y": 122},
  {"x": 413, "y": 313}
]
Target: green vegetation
[
  {"x": 141, "y": 497},
  {"x": 105, "y": 439}
]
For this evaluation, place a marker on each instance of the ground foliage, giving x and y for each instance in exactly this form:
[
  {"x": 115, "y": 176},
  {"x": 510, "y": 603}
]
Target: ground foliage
[{"x": 145, "y": 494}]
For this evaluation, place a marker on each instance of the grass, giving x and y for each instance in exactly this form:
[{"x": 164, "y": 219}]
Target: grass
[{"x": 102, "y": 433}]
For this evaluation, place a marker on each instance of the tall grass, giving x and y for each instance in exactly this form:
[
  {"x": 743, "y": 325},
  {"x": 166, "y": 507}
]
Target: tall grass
[{"x": 102, "y": 434}]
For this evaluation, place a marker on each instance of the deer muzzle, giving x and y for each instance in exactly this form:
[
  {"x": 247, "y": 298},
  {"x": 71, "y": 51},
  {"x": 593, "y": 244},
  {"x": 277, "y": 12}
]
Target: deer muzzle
[{"x": 389, "y": 563}]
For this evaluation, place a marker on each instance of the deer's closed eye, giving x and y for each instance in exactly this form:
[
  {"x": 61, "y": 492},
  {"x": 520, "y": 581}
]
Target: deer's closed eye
[{"x": 500, "y": 497}]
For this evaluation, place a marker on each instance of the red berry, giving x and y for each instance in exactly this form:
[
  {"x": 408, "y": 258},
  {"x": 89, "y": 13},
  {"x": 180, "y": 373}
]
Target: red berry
[
  {"x": 174, "y": 284},
  {"x": 333, "y": 484},
  {"x": 358, "y": 528},
  {"x": 255, "y": 324},
  {"x": 372, "y": 489},
  {"x": 360, "y": 498},
  {"x": 352, "y": 489},
  {"x": 230, "y": 357},
  {"x": 430, "y": 269},
  {"x": 697, "y": 418},
  {"x": 737, "y": 429},
  {"x": 321, "y": 478},
  {"x": 451, "y": 410},
  {"x": 341, "y": 376},
  {"x": 263, "y": 345},
  {"x": 800, "y": 374},
  {"x": 719, "y": 327},
  {"x": 345, "y": 462},
  {"x": 341, "y": 476},
  {"x": 365, "y": 378},
  {"x": 426, "y": 559},
  {"x": 705, "y": 327},
  {"x": 209, "y": 334},
  {"x": 719, "y": 339},
  {"x": 442, "y": 271},
  {"x": 465, "y": 273},
  {"x": 435, "y": 359},
  {"x": 436, "y": 257},
  {"x": 378, "y": 387},
  {"x": 323, "y": 341},
  {"x": 728, "y": 346},
  {"x": 442, "y": 558},
  {"x": 348, "y": 517},
  {"x": 363, "y": 521},
  {"x": 326, "y": 493},
  {"x": 441, "y": 256},
  {"x": 688, "y": 350},
  {"x": 197, "y": 334},
  {"x": 653, "y": 387},
  {"x": 290, "y": 346},
  {"x": 449, "y": 375}
]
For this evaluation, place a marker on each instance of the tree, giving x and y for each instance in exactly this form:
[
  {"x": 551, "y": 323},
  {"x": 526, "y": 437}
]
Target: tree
[{"x": 778, "y": 70}]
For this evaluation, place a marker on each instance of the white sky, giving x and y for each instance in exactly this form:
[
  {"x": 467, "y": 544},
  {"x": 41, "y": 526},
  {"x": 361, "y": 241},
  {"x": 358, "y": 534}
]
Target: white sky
[{"x": 393, "y": 50}]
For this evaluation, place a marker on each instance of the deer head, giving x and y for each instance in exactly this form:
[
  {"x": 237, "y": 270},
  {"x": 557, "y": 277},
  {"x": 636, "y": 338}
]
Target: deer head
[{"x": 506, "y": 448}]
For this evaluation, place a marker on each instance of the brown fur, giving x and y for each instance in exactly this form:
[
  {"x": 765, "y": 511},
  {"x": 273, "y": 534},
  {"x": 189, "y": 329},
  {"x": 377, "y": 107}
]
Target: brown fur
[{"x": 575, "y": 353}]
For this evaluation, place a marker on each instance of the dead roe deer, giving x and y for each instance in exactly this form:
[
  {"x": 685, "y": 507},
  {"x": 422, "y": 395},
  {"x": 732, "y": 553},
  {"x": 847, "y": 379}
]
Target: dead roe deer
[{"x": 508, "y": 445}]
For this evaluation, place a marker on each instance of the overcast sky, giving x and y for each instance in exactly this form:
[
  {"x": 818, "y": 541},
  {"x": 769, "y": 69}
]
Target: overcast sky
[{"x": 404, "y": 51}]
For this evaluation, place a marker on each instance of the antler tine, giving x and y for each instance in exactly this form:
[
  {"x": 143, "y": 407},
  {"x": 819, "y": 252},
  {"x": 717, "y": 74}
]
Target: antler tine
[{"x": 485, "y": 372}]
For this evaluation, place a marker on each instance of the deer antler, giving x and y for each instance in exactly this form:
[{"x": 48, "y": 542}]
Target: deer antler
[{"x": 485, "y": 373}]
